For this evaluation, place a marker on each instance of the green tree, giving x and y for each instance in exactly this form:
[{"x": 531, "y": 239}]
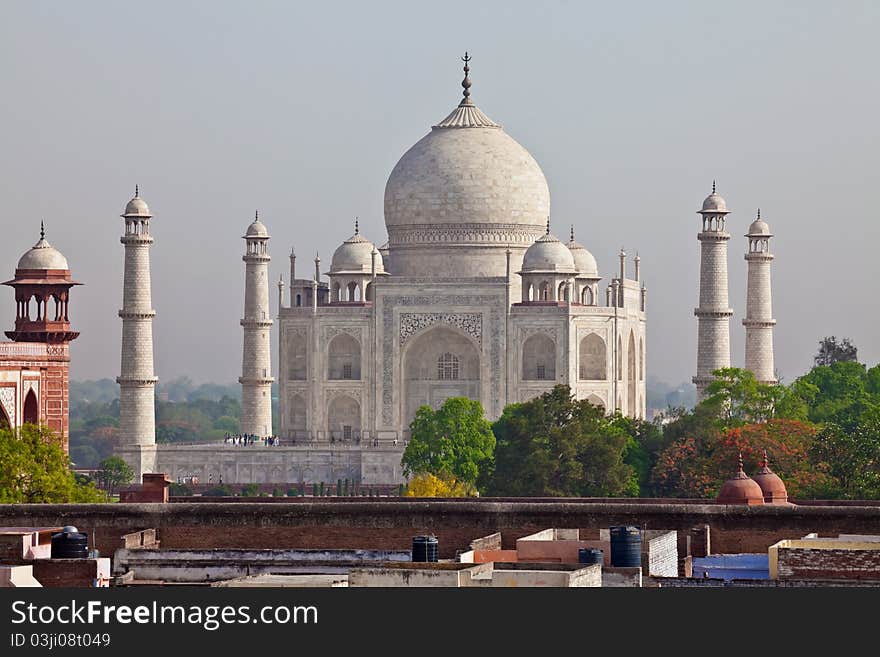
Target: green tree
[
  {"x": 555, "y": 445},
  {"x": 644, "y": 445},
  {"x": 737, "y": 398},
  {"x": 35, "y": 469},
  {"x": 115, "y": 473},
  {"x": 852, "y": 457},
  {"x": 831, "y": 351},
  {"x": 454, "y": 440}
]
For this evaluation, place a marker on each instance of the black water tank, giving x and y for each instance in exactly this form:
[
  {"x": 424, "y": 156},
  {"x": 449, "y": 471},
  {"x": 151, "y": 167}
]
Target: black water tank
[
  {"x": 590, "y": 555},
  {"x": 626, "y": 547},
  {"x": 424, "y": 549},
  {"x": 70, "y": 544}
]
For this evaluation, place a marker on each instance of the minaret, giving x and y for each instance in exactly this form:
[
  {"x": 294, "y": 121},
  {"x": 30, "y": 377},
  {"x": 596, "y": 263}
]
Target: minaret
[
  {"x": 759, "y": 320},
  {"x": 137, "y": 383},
  {"x": 256, "y": 373},
  {"x": 713, "y": 314}
]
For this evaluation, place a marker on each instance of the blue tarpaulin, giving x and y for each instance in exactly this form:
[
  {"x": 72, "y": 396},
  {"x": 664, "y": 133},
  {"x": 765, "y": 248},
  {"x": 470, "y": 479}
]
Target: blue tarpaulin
[{"x": 732, "y": 566}]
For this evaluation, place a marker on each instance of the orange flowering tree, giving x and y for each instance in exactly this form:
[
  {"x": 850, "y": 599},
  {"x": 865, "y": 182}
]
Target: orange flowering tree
[{"x": 696, "y": 465}]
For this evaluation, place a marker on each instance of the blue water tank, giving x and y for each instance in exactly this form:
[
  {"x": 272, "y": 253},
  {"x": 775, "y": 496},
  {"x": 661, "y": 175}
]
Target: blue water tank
[
  {"x": 626, "y": 547},
  {"x": 590, "y": 555},
  {"x": 425, "y": 549}
]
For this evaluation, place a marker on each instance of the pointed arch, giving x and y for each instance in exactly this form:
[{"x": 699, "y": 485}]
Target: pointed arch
[
  {"x": 344, "y": 418},
  {"x": 297, "y": 413},
  {"x": 619, "y": 360},
  {"x": 297, "y": 357},
  {"x": 592, "y": 358},
  {"x": 4, "y": 419},
  {"x": 539, "y": 358},
  {"x": 545, "y": 291},
  {"x": 344, "y": 358},
  {"x": 631, "y": 376},
  {"x": 587, "y": 297},
  {"x": 31, "y": 414},
  {"x": 595, "y": 400}
]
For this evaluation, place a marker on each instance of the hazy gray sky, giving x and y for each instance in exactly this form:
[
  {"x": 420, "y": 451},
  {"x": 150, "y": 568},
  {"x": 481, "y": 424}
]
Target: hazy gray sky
[{"x": 302, "y": 109}]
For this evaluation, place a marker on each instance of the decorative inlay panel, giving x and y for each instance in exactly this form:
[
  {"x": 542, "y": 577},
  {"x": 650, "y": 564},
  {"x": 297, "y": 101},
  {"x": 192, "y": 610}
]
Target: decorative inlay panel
[
  {"x": 494, "y": 328},
  {"x": 7, "y": 398},
  {"x": 470, "y": 323}
]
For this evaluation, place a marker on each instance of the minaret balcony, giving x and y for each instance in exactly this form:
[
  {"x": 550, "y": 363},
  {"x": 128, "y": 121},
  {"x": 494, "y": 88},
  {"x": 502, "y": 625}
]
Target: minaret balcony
[
  {"x": 759, "y": 323},
  {"x": 136, "y": 240},
  {"x": 717, "y": 313}
]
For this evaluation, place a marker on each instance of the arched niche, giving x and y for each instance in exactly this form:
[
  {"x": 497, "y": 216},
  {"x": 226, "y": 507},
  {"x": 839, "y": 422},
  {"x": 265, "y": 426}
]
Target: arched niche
[
  {"x": 592, "y": 358},
  {"x": 439, "y": 363},
  {"x": 539, "y": 358},
  {"x": 344, "y": 358}
]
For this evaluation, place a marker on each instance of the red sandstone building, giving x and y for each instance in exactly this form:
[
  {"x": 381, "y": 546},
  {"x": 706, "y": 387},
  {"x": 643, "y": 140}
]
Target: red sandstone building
[{"x": 34, "y": 367}]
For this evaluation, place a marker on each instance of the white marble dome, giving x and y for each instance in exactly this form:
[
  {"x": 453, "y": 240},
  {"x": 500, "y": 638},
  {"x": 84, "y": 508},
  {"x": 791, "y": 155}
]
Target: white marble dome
[
  {"x": 466, "y": 175},
  {"x": 548, "y": 254},
  {"x": 714, "y": 203},
  {"x": 355, "y": 255},
  {"x": 759, "y": 227},
  {"x": 257, "y": 229},
  {"x": 137, "y": 207},
  {"x": 584, "y": 262},
  {"x": 461, "y": 196},
  {"x": 43, "y": 256}
]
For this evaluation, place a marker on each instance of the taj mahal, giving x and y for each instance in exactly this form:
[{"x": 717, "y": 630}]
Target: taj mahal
[{"x": 472, "y": 294}]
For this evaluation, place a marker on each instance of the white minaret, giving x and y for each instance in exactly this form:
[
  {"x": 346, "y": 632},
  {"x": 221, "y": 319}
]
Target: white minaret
[
  {"x": 759, "y": 320},
  {"x": 256, "y": 370},
  {"x": 137, "y": 383},
  {"x": 713, "y": 315}
]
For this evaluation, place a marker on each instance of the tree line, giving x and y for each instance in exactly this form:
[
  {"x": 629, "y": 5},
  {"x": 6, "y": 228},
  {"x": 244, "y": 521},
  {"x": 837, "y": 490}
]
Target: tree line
[{"x": 821, "y": 434}]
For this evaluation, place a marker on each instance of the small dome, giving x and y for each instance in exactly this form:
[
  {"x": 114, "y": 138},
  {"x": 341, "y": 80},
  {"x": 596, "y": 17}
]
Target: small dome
[
  {"x": 355, "y": 255},
  {"x": 584, "y": 262},
  {"x": 137, "y": 207},
  {"x": 759, "y": 228},
  {"x": 43, "y": 256},
  {"x": 548, "y": 254},
  {"x": 741, "y": 489},
  {"x": 257, "y": 229},
  {"x": 771, "y": 485},
  {"x": 714, "y": 203}
]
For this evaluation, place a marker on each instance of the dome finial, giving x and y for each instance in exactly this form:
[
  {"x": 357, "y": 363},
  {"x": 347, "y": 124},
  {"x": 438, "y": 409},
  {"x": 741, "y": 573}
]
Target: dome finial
[
  {"x": 466, "y": 83},
  {"x": 740, "y": 464},
  {"x": 766, "y": 461},
  {"x": 256, "y": 216},
  {"x": 136, "y": 191},
  {"x": 759, "y": 213},
  {"x": 572, "y": 233},
  {"x": 548, "y": 224},
  {"x": 42, "y": 230},
  {"x": 713, "y": 186},
  {"x": 357, "y": 229}
]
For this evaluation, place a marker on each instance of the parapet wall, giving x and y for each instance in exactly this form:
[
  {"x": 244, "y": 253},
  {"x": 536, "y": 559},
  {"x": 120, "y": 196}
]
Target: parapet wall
[{"x": 390, "y": 523}]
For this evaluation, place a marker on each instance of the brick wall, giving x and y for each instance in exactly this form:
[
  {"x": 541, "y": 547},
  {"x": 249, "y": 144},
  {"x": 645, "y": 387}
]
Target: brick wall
[
  {"x": 390, "y": 523},
  {"x": 805, "y": 563},
  {"x": 76, "y": 573}
]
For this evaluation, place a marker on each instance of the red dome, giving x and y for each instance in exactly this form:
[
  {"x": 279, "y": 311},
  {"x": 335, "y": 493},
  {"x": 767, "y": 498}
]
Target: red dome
[
  {"x": 771, "y": 485},
  {"x": 741, "y": 489}
]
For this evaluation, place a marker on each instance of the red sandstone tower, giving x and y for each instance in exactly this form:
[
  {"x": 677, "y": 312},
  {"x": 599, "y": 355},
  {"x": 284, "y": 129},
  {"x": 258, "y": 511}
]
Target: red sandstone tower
[{"x": 34, "y": 367}]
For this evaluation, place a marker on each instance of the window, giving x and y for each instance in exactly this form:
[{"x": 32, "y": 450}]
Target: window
[
  {"x": 447, "y": 367},
  {"x": 346, "y": 371},
  {"x": 541, "y": 373},
  {"x": 346, "y": 432}
]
